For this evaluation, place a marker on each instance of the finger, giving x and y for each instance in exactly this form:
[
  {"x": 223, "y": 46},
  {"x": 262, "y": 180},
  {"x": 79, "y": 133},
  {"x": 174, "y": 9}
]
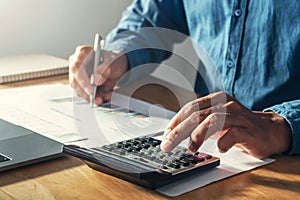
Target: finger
[
  {"x": 233, "y": 136},
  {"x": 104, "y": 92},
  {"x": 71, "y": 79},
  {"x": 80, "y": 92},
  {"x": 186, "y": 110},
  {"x": 98, "y": 101},
  {"x": 204, "y": 130},
  {"x": 216, "y": 100},
  {"x": 104, "y": 97},
  {"x": 82, "y": 50},
  {"x": 79, "y": 57},
  {"x": 101, "y": 77},
  {"x": 180, "y": 132},
  {"x": 109, "y": 85},
  {"x": 215, "y": 123},
  {"x": 192, "y": 121},
  {"x": 102, "y": 73},
  {"x": 83, "y": 81},
  {"x": 77, "y": 61},
  {"x": 71, "y": 75},
  {"x": 202, "y": 114}
]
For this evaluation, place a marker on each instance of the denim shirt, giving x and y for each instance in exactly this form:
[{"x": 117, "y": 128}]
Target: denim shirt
[{"x": 254, "y": 44}]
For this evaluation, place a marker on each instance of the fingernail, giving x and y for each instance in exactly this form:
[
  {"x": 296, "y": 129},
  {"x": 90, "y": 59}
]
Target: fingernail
[
  {"x": 193, "y": 146},
  {"x": 222, "y": 151},
  {"x": 98, "y": 101},
  {"x": 165, "y": 145}
]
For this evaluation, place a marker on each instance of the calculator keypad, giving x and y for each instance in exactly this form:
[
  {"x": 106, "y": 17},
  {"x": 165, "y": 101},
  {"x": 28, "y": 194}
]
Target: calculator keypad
[{"x": 146, "y": 151}]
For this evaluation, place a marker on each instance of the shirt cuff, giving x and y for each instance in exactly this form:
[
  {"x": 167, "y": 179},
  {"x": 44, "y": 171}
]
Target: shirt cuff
[{"x": 292, "y": 116}]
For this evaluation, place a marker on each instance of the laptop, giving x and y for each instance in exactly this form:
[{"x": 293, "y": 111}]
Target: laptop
[{"x": 20, "y": 146}]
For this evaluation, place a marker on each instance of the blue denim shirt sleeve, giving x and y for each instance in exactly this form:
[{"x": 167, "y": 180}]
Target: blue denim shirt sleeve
[
  {"x": 255, "y": 45},
  {"x": 291, "y": 112},
  {"x": 141, "y": 14}
]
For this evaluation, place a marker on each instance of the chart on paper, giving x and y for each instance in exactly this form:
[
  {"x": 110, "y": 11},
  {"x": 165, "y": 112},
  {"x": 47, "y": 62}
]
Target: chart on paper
[
  {"x": 54, "y": 111},
  {"x": 110, "y": 122}
]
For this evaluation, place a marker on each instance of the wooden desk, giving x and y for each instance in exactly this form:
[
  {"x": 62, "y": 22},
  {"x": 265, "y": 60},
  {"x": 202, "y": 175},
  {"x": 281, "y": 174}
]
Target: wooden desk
[{"x": 69, "y": 178}]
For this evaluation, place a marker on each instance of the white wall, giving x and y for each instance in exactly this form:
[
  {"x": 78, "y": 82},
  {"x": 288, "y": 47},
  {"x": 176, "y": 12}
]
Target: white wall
[{"x": 55, "y": 27}]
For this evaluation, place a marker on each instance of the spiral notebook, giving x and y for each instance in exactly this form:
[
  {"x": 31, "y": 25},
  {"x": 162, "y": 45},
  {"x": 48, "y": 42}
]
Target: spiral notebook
[{"x": 23, "y": 67}]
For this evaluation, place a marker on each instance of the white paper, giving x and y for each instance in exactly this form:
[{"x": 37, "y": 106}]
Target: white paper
[
  {"x": 103, "y": 124},
  {"x": 49, "y": 110},
  {"x": 56, "y": 112},
  {"x": 233, "y": 162},
  {"x": 30, "y": 107}
]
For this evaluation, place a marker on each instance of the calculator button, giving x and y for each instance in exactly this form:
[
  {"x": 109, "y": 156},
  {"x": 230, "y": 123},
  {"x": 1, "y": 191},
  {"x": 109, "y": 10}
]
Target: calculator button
[
  {"x": 160, "y": 161},
  {"x": 130, "y": 149},
  {"x": 137, "y": 148},
  {"x": 165, "y": 167},
  {"x": 170, "y": 153},
  {"x": 137, "y": 153},
  {"x": 150, "y": 152},
  {"x": 144, "y": 140},
  {"x": 126, "y": 145},
  {"x": 145, "y": 146},
  {"x": 147, "y": 151},
  {"x": 154, "y": 142},
  {"x": 185, "y": 155},
  {"x": 198, "y": 159},
  {"x": 119, "y": 151},
  {"x": 174, "y": 165},
  {"x": 145, "y": 156},
  {"x": 193, "y": 162},
  {"x": 152, "y": 157},
  {"x": 186, "y": 163},
  {"x": 162, "y": 156},
  {"x": 204, "y": 155},
  {"x": 142, "y": 154}
]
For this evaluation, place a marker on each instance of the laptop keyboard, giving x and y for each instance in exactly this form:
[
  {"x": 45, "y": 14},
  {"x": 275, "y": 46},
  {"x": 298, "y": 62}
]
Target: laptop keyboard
[{"x": 4, "y": 158}]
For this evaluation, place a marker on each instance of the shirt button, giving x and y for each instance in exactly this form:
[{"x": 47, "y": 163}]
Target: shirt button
[
  {"x": 229, "y": 64},
  {"x": 237, "y": 12}
]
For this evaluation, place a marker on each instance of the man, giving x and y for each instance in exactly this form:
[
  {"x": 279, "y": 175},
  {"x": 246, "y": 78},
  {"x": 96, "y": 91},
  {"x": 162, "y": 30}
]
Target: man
[{"x": 254, "y": 45}]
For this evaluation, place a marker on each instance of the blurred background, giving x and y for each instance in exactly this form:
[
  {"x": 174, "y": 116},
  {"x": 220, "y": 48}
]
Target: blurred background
[{"x": 56, "y": 27}]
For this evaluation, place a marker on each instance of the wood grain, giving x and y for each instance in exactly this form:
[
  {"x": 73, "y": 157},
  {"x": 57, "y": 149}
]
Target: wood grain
[{"x": 69, "y": 178}]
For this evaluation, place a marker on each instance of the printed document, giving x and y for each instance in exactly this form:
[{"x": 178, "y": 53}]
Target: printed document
[{"x": 56, "y": 112}]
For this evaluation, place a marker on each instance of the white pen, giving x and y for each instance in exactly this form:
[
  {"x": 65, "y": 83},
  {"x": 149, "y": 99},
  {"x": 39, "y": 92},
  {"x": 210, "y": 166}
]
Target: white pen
[{"x": 98, "y": 48}]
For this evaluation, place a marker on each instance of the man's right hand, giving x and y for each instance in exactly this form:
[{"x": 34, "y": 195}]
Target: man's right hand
[{"x": 106, "y": 75}]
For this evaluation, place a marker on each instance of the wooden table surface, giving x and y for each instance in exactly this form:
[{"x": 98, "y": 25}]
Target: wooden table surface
[{"x": 69, "y": 178}]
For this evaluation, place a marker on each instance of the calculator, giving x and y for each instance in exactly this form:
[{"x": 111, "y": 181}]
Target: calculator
[{"x": 141, "y": 161}]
